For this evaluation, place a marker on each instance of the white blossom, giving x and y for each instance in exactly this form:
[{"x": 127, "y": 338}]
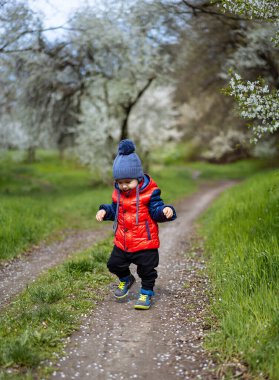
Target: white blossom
[
  {"x": 257, "y": 103},
  {"x": 260, "y": 9}
]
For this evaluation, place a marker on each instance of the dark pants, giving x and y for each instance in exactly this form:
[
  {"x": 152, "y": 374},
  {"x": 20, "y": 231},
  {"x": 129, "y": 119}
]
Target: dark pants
[{"x": 146, "y": 261}]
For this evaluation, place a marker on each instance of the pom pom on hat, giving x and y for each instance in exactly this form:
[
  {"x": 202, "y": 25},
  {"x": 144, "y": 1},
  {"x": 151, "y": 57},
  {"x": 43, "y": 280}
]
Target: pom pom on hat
[{"x": 126, "y": 147}]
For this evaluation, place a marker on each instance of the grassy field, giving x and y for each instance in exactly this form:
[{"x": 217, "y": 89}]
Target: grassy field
[
  {"x": 51, "y": 195},
  {"x": 242, "y": 232},
  {"x": 42, "y": 198}
]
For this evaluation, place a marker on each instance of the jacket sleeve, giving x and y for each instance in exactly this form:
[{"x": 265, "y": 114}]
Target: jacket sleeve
[
  {"x": 156, "y": 206},
  {"x": 110, "y": 210}
]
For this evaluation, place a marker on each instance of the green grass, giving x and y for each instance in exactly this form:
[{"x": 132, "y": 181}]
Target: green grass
[
  {"x": 38, "y": 199},
  {"x": 242, "y": 231},
  {"x": 236, "y": 170},
  {"x": 179, "y": 180},
  {"x": 175, "y": 182},
  {"x": 33, "y": 327}
]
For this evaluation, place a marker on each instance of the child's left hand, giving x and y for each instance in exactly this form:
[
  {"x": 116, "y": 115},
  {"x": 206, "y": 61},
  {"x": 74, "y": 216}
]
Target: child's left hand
[{"x": 168, "y": 212}]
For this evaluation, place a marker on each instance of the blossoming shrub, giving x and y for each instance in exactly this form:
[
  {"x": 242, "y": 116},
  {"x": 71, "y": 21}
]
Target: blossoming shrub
[
  {"x": 259, "y": 9},
  {"x": 228, "y": 146},
  {"x": 256, "y": 102}
]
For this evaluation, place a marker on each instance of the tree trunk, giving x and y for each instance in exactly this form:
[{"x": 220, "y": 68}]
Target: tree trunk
[
  {"x": 31, "y": 155},
  {"x": 128, "y": 109},
  {"x": 124, "y": 126}
]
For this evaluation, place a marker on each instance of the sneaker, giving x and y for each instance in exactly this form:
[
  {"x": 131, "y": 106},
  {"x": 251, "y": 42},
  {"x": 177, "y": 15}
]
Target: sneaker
[
  {"x": 144, "y": 300},
  {"x": 124, "y": 286}
]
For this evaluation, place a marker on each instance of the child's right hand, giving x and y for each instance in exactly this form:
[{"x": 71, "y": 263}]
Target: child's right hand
[{"x": 100, "y": 215}]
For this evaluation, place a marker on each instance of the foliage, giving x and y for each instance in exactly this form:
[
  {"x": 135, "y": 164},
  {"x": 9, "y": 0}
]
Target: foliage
[
  {"x": 127, "y": 61},
  {"x": 95, "y": 138},
  {"x": 266, "y": 148},
  {"x": 114, "y": 64},
  {"x": 151, "y": 124},
  {"x": 242, "y": 231},
  {"x": 81, "y": 89},
  {"x": 209, "y": 47},
  {"x": 260, "y": 9},
  {"x": 227, "y": 147},
  {"x": 203, "y": 51},
  {"x": 89, "y": 88},
  {"x": 41, "y": 99},
  {"x": 18, "y": 24},
  {"x": 256, "y": 101},
  {"x": 239, "y": 170},
  {"x": 154, "y": 119}
]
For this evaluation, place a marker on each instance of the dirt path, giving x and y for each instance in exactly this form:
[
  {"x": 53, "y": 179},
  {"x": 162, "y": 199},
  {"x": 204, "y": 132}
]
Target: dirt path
[
  {"x": 15, "y": 275},
  {"x": 119, "y": 342}
]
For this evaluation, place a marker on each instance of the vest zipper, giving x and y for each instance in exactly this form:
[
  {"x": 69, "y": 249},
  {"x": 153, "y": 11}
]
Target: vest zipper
[
  {"x": 124, "y": 228},
  {"x": 147, "y": 230}
]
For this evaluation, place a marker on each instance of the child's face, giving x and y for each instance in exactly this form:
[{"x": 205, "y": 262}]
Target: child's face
[{"x": 127, "y": 184}]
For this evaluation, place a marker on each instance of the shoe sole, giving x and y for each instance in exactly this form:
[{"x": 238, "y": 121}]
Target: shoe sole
[
  {"x": 121, "y": 297},
  {"x": 141, "y": 307}
]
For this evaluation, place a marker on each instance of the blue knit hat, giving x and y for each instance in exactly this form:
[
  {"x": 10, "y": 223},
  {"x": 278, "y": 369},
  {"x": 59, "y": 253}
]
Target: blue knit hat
[{"x": 127, "y": 163}]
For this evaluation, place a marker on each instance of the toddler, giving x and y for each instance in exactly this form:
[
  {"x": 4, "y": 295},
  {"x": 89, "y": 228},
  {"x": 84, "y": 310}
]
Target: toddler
[{"x": 135, "y": 209}]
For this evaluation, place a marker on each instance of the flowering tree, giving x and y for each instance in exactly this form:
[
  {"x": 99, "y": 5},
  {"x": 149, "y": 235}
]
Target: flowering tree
[
  {"x": 16, "y": 25},
  {"x": 257, "y": 102},
  {"x": 123, "y": 59},
  {"x": 155, "y": 117},
  {"x": 41, "y": 83},
  {"x": 96, "y": 132}
]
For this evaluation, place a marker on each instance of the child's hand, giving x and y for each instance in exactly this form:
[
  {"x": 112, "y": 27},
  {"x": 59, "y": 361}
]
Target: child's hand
[
  {"x": 100, "y": 215},
  {"x": 168, "y": 212}
]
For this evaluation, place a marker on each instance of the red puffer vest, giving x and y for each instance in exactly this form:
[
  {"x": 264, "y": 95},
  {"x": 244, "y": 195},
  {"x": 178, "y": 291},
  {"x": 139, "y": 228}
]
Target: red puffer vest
[{"x": 129, "y": 236}]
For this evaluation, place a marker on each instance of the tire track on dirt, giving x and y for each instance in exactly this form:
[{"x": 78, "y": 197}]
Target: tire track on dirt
[{"x": 118, "y": 342}]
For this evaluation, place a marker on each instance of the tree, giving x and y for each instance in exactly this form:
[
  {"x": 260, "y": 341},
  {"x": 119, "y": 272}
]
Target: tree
[
  {"x": 19, "y": 27},
  {"x": 43, "y": 91},
  {"x": 99, "y": 72},
  {"x": 122, "y": 60},
  {"x": 16, "y": 33},
  {"x": 42, "y": 81},
  {"x": 155, "y": 119},
  {"x": 222, "y": 34},
  {"x": 204, "y": 48}
]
